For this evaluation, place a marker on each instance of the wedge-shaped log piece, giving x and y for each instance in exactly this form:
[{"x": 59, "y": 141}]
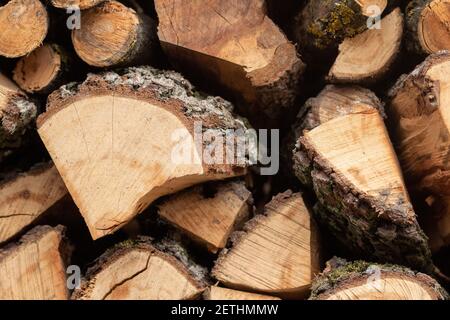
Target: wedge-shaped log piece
[
  {"x": 112, "y": 34},
  {"x": 209, "y": 219},
  {"x": 17, "y": 116},
  {"x": 24, "y": 25},
  {"x": 122, "y": 141},
  {"x": 278, "y": 253},
  {"x": 82, "y": 4},
  {"x": 427, "y": 22},
  {"x": 361, "y": 280},
  {"x": 236, "y": 45},
  {"x": 218, "y": 293},
  {"x": 136, "y": 270},
  {"x": 34, "y": 268},
  {"x": 26, "y": 196},
  {"x": 351, "y": 164},
  {"x": 368, "y": 56}
]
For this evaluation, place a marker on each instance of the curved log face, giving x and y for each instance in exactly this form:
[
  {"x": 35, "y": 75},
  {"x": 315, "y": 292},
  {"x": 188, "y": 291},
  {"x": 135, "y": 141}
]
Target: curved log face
[
  {"x": 82, "y": 4},
  {"x": 24, "y": 25},
  {"x": 117, "y": 149}
]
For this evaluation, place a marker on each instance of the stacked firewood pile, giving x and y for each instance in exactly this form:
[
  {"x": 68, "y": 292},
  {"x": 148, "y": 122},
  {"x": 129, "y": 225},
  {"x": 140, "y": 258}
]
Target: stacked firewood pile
[{"x": 224, "y": 150}]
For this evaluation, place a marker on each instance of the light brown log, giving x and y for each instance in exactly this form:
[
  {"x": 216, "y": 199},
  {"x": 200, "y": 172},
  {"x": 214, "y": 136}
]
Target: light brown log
[
  {"x": 209, "y": 219},
  {"x": 361, "y": 280},
  {"x": 368, "y": 57},
  {"x": 122, "y": 141},
  {"x": 234, "y": 44},
  {"x": 43, "y": 70},
  {"x": 351, "y": 164},
  {"x": 24, "y": 25},
  {"x": 82, "y": 4},
  {"x": 17, "y": 116},
  {"x": 27, "y": 196},
  {"x": 34, "y": 268},
  {"x": 278, "y": 253},
  {"x": 218, "y": 293},
  {"x": 112, "y": 34},
  {"x": 136, "y": 270}
]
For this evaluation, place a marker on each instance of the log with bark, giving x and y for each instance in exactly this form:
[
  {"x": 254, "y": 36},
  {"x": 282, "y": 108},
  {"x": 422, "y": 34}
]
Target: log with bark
[
  {"x": 24, "y": 25},
  {"x": 34, "y": 268},
  {"x": 360, "y": 280},
  {"x": 112, "y": 34},
  {"x": 427, "y": 22},
  {"x": 235, "y": 45},
  {"x": 43, "y": 70},
  {"x": 140, "y": 270},
  {"x": 27, "y": 196},
  {"x": 120, "y": 141},
  {"x": 367, "y": 57},
  {"x": 209, "y": 218},
  {"x": 351, "y": 164},
  {"x": 17, "y": 117},
  {"x": 283, "y": 238}
]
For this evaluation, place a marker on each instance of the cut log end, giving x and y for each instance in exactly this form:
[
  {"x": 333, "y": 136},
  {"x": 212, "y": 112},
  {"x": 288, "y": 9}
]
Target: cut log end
[
  {"x": 368, "y": 56},
  {"x": 136, "y": 270},
  {"x": 24, "y": 25},
  {"x": 112, "y": 34},
  {"x": 24, "y": 198},
  {"x": 428, "y": 25},
  {"x": 361, "y": 280},
  {"x": 82, "y": 4},
  {"x": 218, "y": 293},
  {"x": 284, "y": 238},
  {"x": 351, "y": 164},
  {"x": 157, "y": 114},
  {"x": 209, "y": 219},
  {"x": 42, "y": 70},
  {"x": 247, "y": 53},
  {"x": 34, "y": 268}
]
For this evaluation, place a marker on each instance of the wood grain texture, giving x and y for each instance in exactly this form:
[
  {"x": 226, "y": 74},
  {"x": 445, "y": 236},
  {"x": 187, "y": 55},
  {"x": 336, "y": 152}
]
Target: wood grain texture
[
  {"x": 277, "y": 254},
  {"x": 209, "y": 220},
  {"x": 34, "y": 268},
  {"x": 218, "y": 293}
]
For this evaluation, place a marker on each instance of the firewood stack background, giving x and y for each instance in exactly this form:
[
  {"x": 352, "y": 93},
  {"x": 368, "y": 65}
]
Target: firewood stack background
[{"x": 102, "y": 102}]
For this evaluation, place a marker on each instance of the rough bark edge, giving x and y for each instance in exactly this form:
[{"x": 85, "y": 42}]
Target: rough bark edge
[
  {"x": 413, "y": 14},
  {"x": 238, "y": 236},
  {"x": 35, "y": 170},
  {"x": 61, "y": 6},
  {"x": 171, "y": 251},
  {"x": 165, "y": 89},
  {"x": 16, "y": 120},
  {"x": 34, "y": 235},
  {"x": 362, "y": 223},
  {"x": 371, "y": 79},
  {"x": 342, "y": 274}
]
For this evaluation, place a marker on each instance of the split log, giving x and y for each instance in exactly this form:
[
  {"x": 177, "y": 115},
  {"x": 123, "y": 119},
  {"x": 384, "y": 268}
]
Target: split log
[
  {"x": 333, "y": 101},
  {"x": 34, "y": 268},
  {"x": 24, "y": 25},
  {"x": 26, "y": 196},
  {"x": 427, "y": 22},
  {"x": 420, "y": 117},
  {"x": 82, "y": 4},
  {"x": 43, "y": 70},
  {"x": 236, "y": 45},
  {"x": 437, "y": 223},
  {"x": 218, "y": 293},
  {"x": 17, "y": 115},
  {"x": 208, "y": 219},
  {"x": 362, "y": 280},
  {"x": 175, "y": 134},
  {"x": 351, "y": 164},
  {"x": 112, "y": 34},
  {"x": 323, "y": 25},
  {"x": 283, "y": 238},
  {"x": 368, "y": 56},
  {"x": 136, "y": 270}
]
